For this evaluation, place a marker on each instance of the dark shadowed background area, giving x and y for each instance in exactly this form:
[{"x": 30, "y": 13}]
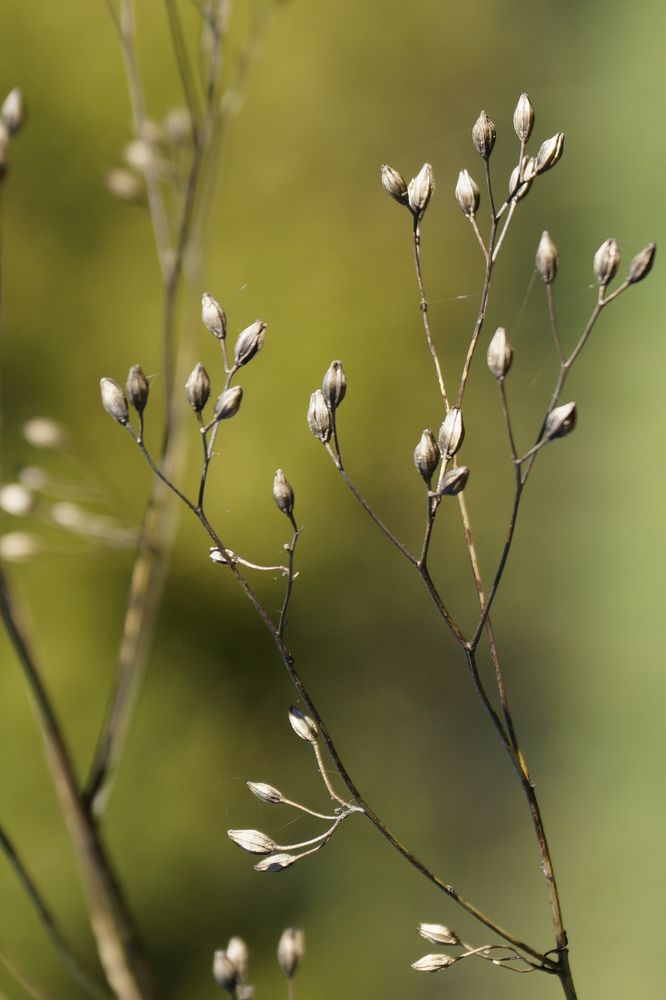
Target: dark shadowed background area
[{"x": 301, "y": 234}]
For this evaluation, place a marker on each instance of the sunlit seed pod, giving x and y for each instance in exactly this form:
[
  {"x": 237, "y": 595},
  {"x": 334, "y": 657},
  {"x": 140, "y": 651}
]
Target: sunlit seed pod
[
  {"x": 641, "y": 265},
  {"x": 283, "y": 494},
  {"x": 518, "y": 184},
  {"x": 303, "y": 725},
  {"x": 113, "y": 400},
  {"x": 18, "y": 546},
  {"x": 467, "y": 193},
  {"x": 225, "y": 972},
  {"x": 140, "y": 155},
  {"x": 228, "y": 403},
  {"x": 33, "y": 477},
  {"x": 125, "y": 185},
  {"x": 500, "y": 354},
  {"x": 275, "y": 863},
  {"x": 238, "y": 952},
  {"x": 334, "y": 385},
  {"x": 606, "y": 262},
  {"x": 547, "y": 259},
  {"x": 178, "y": 126},
  {"x": 451, "y": 433},
  {"x": 137, "y": 388},
  {"x": 560, "y": 421},
  {"x": 197, "y": 388},
  {"x": 484, "y": 135},
  {"x": 213, "y": 316},
  {"x": 433, "y": 963},
  {"x": 16, "y": 499},
  {"x": 550, "y": 152},
  {"x": 290, "y": 950},
  {"x": 454, "y": 481},
  {"x": 267, "y": 793},
  {"x": 438, "y": 934},
  {"x": 249, "y": 342},
  {"x": 12, "y": 112},
  {"x": 319, "y": 417},
  {"x": 523, "y": 118},
  {"x": 252, "y": 841},
  {"x": 42, "y": 432},
  {"x": 394, "y": 184},
  {"x": 427, "y": 456},
  {"x": 420, "y": 189}
]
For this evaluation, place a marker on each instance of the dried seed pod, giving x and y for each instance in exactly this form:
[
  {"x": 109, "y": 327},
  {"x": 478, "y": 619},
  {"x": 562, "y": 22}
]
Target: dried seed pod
[
  {"x": 523, "y": 118},
  {"x": 500, "y": 354},
  {"x": 275, "y": 863},
  {"x": 252, "y": 841},
  {"x": 438, "y": 934},
  {"x": 606, "y": 262},
  {"x": 137, "y": 388},
  {"x": 125, "y": 185},
  {"x": 213, "y": 316},
  {"x": 290, "y": 950},
  {"x": 113, "y": 400},
  {"x": 303, "y": 725},
  {"x": 18, "y": 546},
  {"x": 197, "y": 388},
  {"x": 319, "y": 417},
  {"x": 641, "y": 265},
  {"x": 249, "y": 342},
  {"x": 394, "y": 184},
  {"x": 547, "y": 259},
  {"x": 228, "y": 403},
  {"x": 283, "y": 494},
  {"x": 433, "y": 963},
  {"x": 267, "y": 793},
  {"x": 334, "y": 385},
  {"x": 420, "y": 189},
  {"x": 141, "y": 155},
  {"x": 560, "y": 421},
  {"x": 41, "y": 432},
  {"x": 451, "y": 433},
  {"x": 238, "y": 953},
  {"x": 454, "y": 481},
  {"x": 427, "y": 456},
  {"x": 225, "y": 972},
  {"x": 468, "y": 195},
  {"x": 12, "y": 112},
  {"x": 519, "y": 183},
  {"x": 177, "y": 126},
  {"x": 16, "y": 500},
  {"x": 484, "y": 135},
  {"x": 549, "y": 153}
]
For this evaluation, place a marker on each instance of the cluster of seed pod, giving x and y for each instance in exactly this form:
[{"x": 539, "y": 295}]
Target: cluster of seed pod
[
  {"x": 325, "y": 401},
  {"x": 500, "y": 955},
  {"x": 158, "y": 150},
  {"x": 231, "y": 964}
]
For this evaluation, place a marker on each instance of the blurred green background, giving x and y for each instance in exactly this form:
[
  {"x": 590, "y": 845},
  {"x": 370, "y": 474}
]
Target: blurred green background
[{"x": 302, "y": 235}]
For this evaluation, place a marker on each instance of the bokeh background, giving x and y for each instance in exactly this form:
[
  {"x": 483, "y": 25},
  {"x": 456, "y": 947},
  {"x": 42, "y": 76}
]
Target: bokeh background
[{"x": 302, "y": 235}]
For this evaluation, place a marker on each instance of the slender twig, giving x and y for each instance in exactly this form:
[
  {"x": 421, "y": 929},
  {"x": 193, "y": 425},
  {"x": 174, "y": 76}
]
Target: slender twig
[
  {"x": 12, "y": 968},
  {"x": 423, "y": 304},
  {"x": 182, "y": 59}
]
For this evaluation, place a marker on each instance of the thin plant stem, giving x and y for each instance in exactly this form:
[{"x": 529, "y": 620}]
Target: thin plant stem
[
  {"x": 423, "y": 305},
  {"x": 12, "y": 968}
]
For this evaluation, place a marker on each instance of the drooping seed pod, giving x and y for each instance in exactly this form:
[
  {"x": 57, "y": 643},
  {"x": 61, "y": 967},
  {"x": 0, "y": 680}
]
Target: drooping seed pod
[
  {"x": 228, "y": 403},
  {"x": 319, "y": 417},
  {"x": 641, "y": 265},
  {"x": 560, "y": 421},
  {"x": 467, "y": 193},
  {"x": 438, "y": 934},
  {"x": 334, "y": 385},
  {"x": 451, "y": 433},
  {"x": 606, "y": 262},
  {"x": 427, "y": 456},
  {"x": 500, "y": 354},
  {"x": 225, "y": 972},
  {"x": 433, "y": 963},
  {"x": 454, "y": 481},
  {"x": 213, "y": 316},
  {"x": 249, "y": 342},
  {"x": 484, "y": 135},
  {"x": 394, "y": 184},
  {"x": 266, "y": 793},
  {"x": 420, "y": 189},
  {"x": 523, "y": 118},
  {"x": 238, "y": 952},
  {"x": 547, "y": 259},
  {"x": 283, "y": 494},
  {"x": 197, "y": 388},
  {"x": 290, "y": 950},
  {"x": 550, "y": 152},
  {"x": 137, "y": 388},
  {"x": 113, "y": 400},
  {"x": 275, "y": 863},
  {"x": 303, "y": 725},
  {"x": 12, "y": 112},
  {"x": 252, "y": 841}
]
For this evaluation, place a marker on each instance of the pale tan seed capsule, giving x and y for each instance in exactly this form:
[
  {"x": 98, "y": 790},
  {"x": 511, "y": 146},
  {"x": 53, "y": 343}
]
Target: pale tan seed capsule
[
  {"x": 283, "y": 494},
  {"x": 18, "y": 546},
  {"x": 137, "y": 388},
  {"x": 451, "y": 433},
  {"x": 433, "y": 963},
  {"x": 334, "y": 385},
  {"x": 124, "y": 185},
  {"x": 249, "y": 342},
  {"x": 225, "y": 972},
  {"x": 454, "y": 481},
  {"x": 178, "y": 126},
  {"x": 519, "y": 185},
  {"x": 16, "y": 499},
  {"x": 140, "y": 155},
  {"x": 438, "y": 934},
  {"x": 13, "y": 110},
  {"x": 547, "y": 259},
  {"x": 303, "y": 725},
  {"x": 290, "y": 950},
  {"x": 394, "y": 184},
  {"x": 468, "y": 195},
  {"x": 113, "y": 400},
  {"x": 238, "y": 952},
  {"x": 606, "y": 262},
  {"x": 484, "y": 135},
  {"x": 319, "y": 417},
  {"x": 275, "y": 863},
  {"x": 267, "y": 793},
  {"x": 252, "y": 841},
  {"x": 641, "y": 265},
  {"x": 427, "y": 456},
  {"x": 213, "y": 317},
  {"x": 228, "y": 403},
  {"x": 523, "y": 118},
  {"x": 560, "y": 421},
  {"x": 500, "y": 354},
  {"x": 197, "y": 388},
  {"x": 40, "y": 432},
  {"x": 245, "y": 992},
  {"x": 420, "y": 189},
  {"x": 549, "y": 153}
]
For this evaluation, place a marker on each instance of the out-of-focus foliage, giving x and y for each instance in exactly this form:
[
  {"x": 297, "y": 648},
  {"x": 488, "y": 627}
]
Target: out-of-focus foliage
[{"x": 302, "y": 235}]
